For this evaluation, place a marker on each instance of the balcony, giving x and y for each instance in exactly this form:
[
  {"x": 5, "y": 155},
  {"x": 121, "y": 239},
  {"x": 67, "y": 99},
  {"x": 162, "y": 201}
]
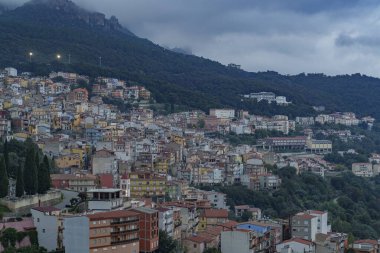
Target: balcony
[
  {"x": 124, "y": 231},
  {"x": 124, "y": 241},
  {"x": 124, "y": 221}
]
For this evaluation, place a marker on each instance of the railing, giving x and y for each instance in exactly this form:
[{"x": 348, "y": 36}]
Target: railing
[
  {"x": 123, "y": 222},
  {"x": 125, "y": 241},
  {"x": 124, "y": 231}
]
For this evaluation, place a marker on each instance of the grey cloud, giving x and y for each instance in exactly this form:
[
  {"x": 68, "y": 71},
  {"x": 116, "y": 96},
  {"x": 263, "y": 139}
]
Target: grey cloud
[
  {"x": 289, "y": 36},
  {"x": 345, "y": 40}
]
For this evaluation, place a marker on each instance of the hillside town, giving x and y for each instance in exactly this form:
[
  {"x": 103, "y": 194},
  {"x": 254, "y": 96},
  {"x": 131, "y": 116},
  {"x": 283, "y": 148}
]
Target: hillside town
[{"x": 121, "y": 180}]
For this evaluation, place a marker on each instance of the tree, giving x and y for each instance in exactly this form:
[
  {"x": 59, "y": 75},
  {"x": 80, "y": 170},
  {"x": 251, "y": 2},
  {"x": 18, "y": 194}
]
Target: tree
[
  {"x": 166, "y": 243},
  {"x": 3, "y": 179},
  {"x": 19, "y": 182},
  {"x": 246, "y": 216},
  {"x": 30, "y": 172},
  {"x": 44, "y": 176},
  {"x": 6, "y": 156}
]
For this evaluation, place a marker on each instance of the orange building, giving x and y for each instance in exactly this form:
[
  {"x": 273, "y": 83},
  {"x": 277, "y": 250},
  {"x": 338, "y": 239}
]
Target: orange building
[{"x": 148, "y": 229}]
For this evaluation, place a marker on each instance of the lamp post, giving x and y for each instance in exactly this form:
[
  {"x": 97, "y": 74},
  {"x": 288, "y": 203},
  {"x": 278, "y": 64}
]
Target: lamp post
[
  {"x": 58, "y": 57},
  {"x": 30, "y": 56}
]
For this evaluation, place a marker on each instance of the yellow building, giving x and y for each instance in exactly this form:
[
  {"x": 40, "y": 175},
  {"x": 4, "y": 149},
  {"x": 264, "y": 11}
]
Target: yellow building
[
  {"x": 68, "y": 161},
  {"x": 212, "y": 217},
  {"x": 178, "y": 139},
  {"x": 77, "y": 151},
  {"x": 7, "y": 104},
  {"x": 161, "y": 167},
  {"x": 147, "y": 184}
]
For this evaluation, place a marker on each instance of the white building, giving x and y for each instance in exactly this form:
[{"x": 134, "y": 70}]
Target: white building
[
  {"x": 165, "y": 220},
  {"x": 11, "y": 71},
  {"x": 296, "y": 245},
  {"x": 223, "y": 113},
  {"x": 362, "y": 169},
  {"x": 46, "y": 222},
  {"x": 125, "y": 186},
  {"x": 105, "y": 199},
  {"x": 217, "y": 199},
  {"x": 306, "y": 225}
]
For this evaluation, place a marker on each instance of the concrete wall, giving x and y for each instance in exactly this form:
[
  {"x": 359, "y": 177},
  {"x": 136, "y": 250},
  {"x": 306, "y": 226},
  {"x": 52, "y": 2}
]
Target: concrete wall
[
  {"x": 76, "y": 235},
  {"x": 235, "y": 241},
  {"x": 47, "y": 228},
  {"x": 296, "y": 247},
  {"x": 24, "y": 204}
]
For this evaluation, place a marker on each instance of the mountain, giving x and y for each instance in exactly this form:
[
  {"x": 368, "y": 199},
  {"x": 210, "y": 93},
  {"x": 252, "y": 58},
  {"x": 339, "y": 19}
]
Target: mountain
[{"x": 49, "y": 27}]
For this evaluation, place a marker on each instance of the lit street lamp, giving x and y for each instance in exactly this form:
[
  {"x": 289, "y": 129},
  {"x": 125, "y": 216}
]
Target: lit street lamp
[
  {"x": 58, "y": 57},
  {"x": 30, "y": 56}
]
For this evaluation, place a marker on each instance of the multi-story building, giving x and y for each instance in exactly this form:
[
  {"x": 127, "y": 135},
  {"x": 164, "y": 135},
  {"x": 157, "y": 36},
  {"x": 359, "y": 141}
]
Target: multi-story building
[
  {"x": 148, "y": 229},
  {"x": 115, "y": 231},
  {"x": 166, "y": 221},
  {"x": 68, "y": 161},
  {"x": 222, "y": 113},
  {"x": 46, "y": 221},
  {"x": 125, "y": 185},
  {"x": 304, "y": 226},
  {"x": 363, "y": 169},
  {"x": 297, "y": 143},
  {"x": 366, "y": 246},
  {"x": 218, "y": 200},
  {"x": 147, "y": 184},
  {"x": 319, "y": 146},
  {"x": 211, "y": 217},
  {"x": 74, "y": 182},
  {"x": 105, "y": 199},
  {"x": 307, "y": 224}
]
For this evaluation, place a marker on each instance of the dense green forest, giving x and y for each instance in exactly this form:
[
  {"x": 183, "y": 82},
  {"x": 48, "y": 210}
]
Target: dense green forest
[
  {"x": 174, "y": 78},
  {"x": 353, "y": 202}
]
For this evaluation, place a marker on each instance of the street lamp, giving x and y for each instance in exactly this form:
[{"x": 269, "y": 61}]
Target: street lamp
[
  {"x": 58, "y": 57},
  {"x": 30, "y": 56}
]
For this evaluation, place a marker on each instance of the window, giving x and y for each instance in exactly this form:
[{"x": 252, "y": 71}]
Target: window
[
  {"x": 38, "y": 219},
  {"x": 195, "y": 245},
  {"x": 43, "y": 230}
]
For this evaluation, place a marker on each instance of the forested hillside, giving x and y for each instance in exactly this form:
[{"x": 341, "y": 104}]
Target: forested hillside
[
  {"x": 174, "y": 78},
  {"x": 353, "y": 202}
]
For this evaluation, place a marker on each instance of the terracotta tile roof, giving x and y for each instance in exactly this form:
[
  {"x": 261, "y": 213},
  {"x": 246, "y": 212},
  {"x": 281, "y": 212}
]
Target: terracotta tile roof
[
  {"x": 230, "y": 224},
  {"x": 299, "y": 240},
  {"x": 374, "y": 242},
  {"x": 215, "y": 213},
  {"x": 305, "y": 216}
]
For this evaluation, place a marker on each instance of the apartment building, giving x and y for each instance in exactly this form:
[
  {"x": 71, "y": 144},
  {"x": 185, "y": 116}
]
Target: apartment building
[
  {"x": 148, "y": 229},
  {"x": 147, "y": 184},
  {"x": 307, "y": 224},
  {"x": 115, "y": 231}
]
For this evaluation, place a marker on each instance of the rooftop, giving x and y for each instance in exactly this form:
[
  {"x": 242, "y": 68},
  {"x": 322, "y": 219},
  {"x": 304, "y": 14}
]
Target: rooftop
[
  {"x": 46, "y": 209},
  {"x": 108, "y": 190},
  {"x": 111, "y": 215}
]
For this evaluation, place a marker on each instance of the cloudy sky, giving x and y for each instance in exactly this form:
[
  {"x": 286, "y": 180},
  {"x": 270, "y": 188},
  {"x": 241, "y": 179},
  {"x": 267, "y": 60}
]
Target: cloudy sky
[{"x": 288, "y": 36}]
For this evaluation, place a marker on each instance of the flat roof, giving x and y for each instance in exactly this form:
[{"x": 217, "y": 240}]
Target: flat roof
[{"x": 107, "y": 190}]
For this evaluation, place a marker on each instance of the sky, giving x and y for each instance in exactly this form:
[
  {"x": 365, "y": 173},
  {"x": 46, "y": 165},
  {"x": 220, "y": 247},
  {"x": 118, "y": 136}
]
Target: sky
[{"x": 287, "y": 36}]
